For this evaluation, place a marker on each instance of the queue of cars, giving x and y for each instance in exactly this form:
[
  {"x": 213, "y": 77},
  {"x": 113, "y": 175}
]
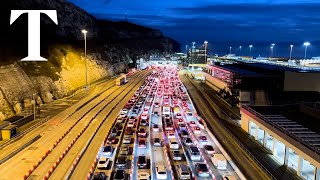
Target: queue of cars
[{"x": 159, "y": 134}]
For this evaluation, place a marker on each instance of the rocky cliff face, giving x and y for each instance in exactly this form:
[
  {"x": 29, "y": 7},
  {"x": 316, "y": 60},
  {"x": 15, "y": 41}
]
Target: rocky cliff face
[{"x": 110, "y": 46}]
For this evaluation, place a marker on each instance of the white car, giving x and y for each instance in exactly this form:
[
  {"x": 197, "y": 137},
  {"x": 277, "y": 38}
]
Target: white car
[
  {"x": 178, "y": 116},
  {"x": 161, "y": 172},
  {"x": 122, "y": 115},
  {"x": 170, "y": 134},
  {"x": 103, "y": 163},
  {"x": 143, "y": 175},
  {"x": 125, "y": 111},
  {"x": 192, "y": 124},
  {"x": 155, "y": 128},
  {"x": 126, "y": 140},
  {"x": 197, "y": 130},
  {"x": 130, "y": 124}
]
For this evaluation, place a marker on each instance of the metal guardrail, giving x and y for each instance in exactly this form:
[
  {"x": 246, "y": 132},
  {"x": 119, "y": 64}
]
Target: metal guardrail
[
  {"x": 242, "y": 146},
  {"x": 275, "y": 125}
]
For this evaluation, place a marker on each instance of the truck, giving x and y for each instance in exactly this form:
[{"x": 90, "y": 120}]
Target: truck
[
  {"x": 121, "y": 80},
  {"x": 219, "y": 161}
]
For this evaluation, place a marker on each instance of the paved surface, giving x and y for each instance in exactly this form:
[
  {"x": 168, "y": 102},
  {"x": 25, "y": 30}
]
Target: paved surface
[
  {"x": 84, "y": 165},
  {"x": 51, "y": 132},
  {"x": 247, "y": 166}
]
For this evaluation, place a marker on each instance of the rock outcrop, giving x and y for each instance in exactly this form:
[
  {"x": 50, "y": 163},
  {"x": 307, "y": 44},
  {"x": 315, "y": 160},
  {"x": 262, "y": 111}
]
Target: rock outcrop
[{"x": 110, "y": 48}]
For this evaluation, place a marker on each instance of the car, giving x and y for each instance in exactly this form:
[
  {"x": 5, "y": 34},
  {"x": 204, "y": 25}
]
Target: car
[
  {"x": 155, "y": 128},
  {"x": 182, "y": 127},
  {"x": 107, "y": 150},
  {"x": 202, "y": 170},
  {"x": 144, "y": 116},
  {"x": 120, "y": 175},
  {"x": 133, "y": 119},
  {"x": 121, "y": 162},
  {"x": 124, "y": 111},
  {"x": 178, "y": 115},
  {"x": 166, "y": 101},
  {"x": 124, "y": 151},
  {"x": 169, "y": 127},
  {"x": 103, "y": 163},
  {"x": 122, "y": 115},
  {"x": 112, "y": 140},
  {"x": 156, "y": 142},
  {"x": 120, "y": 120},
  {"x": 126, "y": 139},
  {"x": 145, "y": 111},
  {"x": 176, "y": 155},
  {"x": 131, "y": 124},
  {"x": 142, "y": 162},
  {"x": 180, "y": 121},
  {"x": 203, "y": 139},
  {"x": 143, "y": 175},
  {"x": 142, "y": 143},
  {"x": 143, "y": 122},
  {"x": 189, "y": 115},
  {"x": 209, "y": 149},
  {"x": 170, "y": 134},
  {"x": 99, "y": 176},
  {"x": 192, "y": 124},
  {"x": 197, "y": 130},
  {"x": 142, "y": 132},
  {"x": 161, "y": 172},
  {"x": 167, "y": 116},
  {"x": 118, "y": 126},
  {"x": 184, "y": 133},
  {"x": 129, "y": 131}
]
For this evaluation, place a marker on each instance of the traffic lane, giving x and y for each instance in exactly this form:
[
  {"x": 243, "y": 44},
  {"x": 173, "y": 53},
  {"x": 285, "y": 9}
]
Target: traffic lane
[
  {"x": 102, "y": 133},
  {"x": 250, "y": 170},
  {"x": 58, "y": 150}
]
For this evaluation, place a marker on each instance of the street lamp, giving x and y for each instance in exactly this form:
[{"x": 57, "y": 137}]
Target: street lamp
[
  {"x": 305, "y": 50},
  {"x": 34, "y": 105},
  {"x": 240, "y": 50},
  {"x": 230, "y": 50},
  {"x": 205, "y": 51},
  {"x": 291, "y": 46},
  {"x": 250, "y": 46},
  {"x": 85, "y": 54},
  {"x": 192, "y": 52},
  {"x": 272, "y": 46}
]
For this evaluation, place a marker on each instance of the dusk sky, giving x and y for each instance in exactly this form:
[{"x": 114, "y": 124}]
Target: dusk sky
[{"x": 242, "y": 21}]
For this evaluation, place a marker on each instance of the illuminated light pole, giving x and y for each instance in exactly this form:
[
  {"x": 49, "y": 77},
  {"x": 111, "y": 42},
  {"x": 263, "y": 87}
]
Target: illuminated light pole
[
  {"x": 193, "y": 43},
  {"x": 240, "y": 50},
  {"x": 205, "y": 51},
  {"x": 230, "y": 50},
  {"x": 34, "y": 105},
  {"x": 85, "y": 54},
  {"x": 305, "y": 50},
  {"x": 272, "y": 46},
  {"x": 250, "y": 46},
  {"x": 291, "y": 46}
]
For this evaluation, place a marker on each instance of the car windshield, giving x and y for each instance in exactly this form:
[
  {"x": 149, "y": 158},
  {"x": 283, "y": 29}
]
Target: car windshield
[
  {"x": 161, "y": 172},
  {"x": 102, "y": 162},
  {"x": 209, "y": 148}
]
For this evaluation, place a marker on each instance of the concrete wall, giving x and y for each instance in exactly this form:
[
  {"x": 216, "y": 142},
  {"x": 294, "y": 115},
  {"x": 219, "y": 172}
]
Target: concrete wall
[{"x": 295, "y": 81}]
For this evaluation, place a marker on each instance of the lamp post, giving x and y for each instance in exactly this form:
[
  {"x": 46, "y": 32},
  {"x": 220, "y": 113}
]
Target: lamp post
[
  {"x": 250, "y": 46},
  {"x": 305, "y": 50},
  {"x": 205, "y": 51},
  {"x": 34, "y": 105},
  {"x": 291, "y": 46},
  {"x": 271, "y": 47},
  {"x": 192, "y": 56},
  {"x": 240, "y": 50},
  {"x": 230, "y": 50},
  {"x": 85, "y": 54}
]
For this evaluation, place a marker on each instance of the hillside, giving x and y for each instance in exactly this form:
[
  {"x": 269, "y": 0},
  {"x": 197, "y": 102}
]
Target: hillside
[{"x": 110, "y": 46}]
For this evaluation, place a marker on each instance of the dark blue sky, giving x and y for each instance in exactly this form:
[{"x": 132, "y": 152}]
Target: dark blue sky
[{"x": 220, "y": 21}]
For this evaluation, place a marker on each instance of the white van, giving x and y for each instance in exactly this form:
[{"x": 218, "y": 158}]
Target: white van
[
  {"x": 219, "y": 161},
  {"x": 161, "y": 172}
]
